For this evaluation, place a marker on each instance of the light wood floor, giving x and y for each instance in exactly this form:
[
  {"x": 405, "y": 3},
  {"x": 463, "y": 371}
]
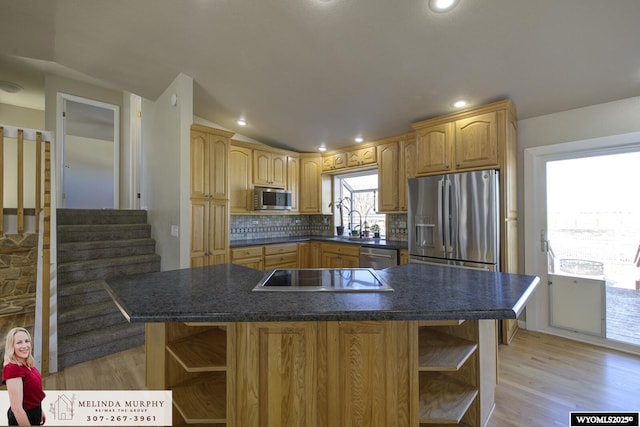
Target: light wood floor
[{"x": 542, "y": 378}]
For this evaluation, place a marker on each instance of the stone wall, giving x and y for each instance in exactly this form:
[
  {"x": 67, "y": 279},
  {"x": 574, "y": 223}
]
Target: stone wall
[{"x": 18, "y": 272}]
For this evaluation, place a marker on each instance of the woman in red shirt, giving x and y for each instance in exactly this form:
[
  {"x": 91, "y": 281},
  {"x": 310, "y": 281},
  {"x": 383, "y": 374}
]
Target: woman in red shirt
[{"x": 23, "y": 380}]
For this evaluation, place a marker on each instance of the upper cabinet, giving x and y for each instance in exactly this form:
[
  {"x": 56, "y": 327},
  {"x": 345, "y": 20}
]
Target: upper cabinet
[
  {"x": 293, "y": 181},
  {"x": 388, "y": 177},
  {"x": 434, "y": 146},
  {"x": 477, "y": 141},
  {"x": 470, "y": 140},
  {"x": 361, "y": 157},
  {"x": 209, "y": 163},
  {"x": 269, "y": 169},
  {"x": 240, "y": 185},
  {"x": 334, "y": 161}
]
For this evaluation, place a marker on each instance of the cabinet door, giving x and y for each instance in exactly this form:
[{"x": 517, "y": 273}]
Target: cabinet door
[
  {"x": 367, "y": 376},
  {"x": 219, "y": 167},
  {"x": 388, "y": 177},
  {"x": 434, "y": 149},
  {"x": 278, "y": 176},
  {"x": 240, "y": 179},
  {"x": 255, "y": 263},
  {"x": 331, "y": 260},
  {"x": 261, "y": 168},
  {"x": 407, "y": 170},
  {"x": 304, "y": 250},
  {"x": 199, "y": 224},
  {"x": 293, "y": 181},
  {"x": 310, "y": 184},
  {"x": 218, "y": 239},
  {"x": 334, "y": 161},
  {"x": 279, "y": 368},
  {"x": 477, "y": 141},
  {"x": 361, "y": 157},
  {"x": 199, "y": 164},
  {"x": 349, "y": 261}
]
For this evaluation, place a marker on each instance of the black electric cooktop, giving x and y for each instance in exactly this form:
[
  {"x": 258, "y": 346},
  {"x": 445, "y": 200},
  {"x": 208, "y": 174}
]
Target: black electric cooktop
[{"x": 323, "y": 279}]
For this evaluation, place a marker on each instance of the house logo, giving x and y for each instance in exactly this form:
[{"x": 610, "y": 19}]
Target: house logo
[{"x": 62, "y": 407}]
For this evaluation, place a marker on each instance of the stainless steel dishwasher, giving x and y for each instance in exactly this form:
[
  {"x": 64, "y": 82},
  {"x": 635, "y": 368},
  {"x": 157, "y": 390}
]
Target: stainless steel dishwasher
[{"x": 378, "y": 258}]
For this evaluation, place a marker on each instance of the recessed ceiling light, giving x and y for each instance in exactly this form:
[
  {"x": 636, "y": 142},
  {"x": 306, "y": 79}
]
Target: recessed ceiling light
[
  {"x": 241, "y": 122},
  {"x": 459, "y": 103},
  {"x": 442, "y": 5},
  {"x": 322, "y": 148},
  {"x": 359, "y": 139},
  {"x": 10, "y": 87}
]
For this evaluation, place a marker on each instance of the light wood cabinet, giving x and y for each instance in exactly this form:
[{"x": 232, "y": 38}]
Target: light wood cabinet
[
  {"x": 434, "y": 149},
  {"x": 476, "y": 143},
  {"x": 209, "y": 163},
  {"x": 269, "y": 169},
  {"x": 388, "y": 175},
  {"x": 396, "y": 163},
  {"x": 404, "y": 256},
  {"x": 240, "y": 188},
  {"x": 340, "y": 255},
  {"x": 209, "y": 232},
  {"x": 293, "y": 181},
  {"x": 279, "y": 365},
  {"x": 367, "y": 374},
  {"x": 304, "y": 254},
  {"x": 333, "y": 162},
  {"x": 281, "y": 256},
  {"x": 248, "y": 256},
  {"x": 406, "y": 169},
  {"x": 209, "y": 195},
  {"x": 361, "y": 157},
  {"x": 310, "y": 199}
]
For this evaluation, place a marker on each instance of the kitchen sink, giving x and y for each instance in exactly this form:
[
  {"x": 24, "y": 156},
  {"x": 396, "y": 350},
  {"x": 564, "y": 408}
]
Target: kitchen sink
[{"x": 322, "y": 280}]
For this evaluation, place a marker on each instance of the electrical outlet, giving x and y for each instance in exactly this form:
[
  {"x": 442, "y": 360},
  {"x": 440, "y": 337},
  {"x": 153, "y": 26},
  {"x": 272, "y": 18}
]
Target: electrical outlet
[
  {"x": 402, "y": 224},
  {"x": 175, "y": 230},
  {"x": 256, "y": 222}
]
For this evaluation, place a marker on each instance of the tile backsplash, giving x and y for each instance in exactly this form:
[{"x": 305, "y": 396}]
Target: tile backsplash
[
  {"x": 397, "y": 227},
  {"x": 245, "y": 227}
]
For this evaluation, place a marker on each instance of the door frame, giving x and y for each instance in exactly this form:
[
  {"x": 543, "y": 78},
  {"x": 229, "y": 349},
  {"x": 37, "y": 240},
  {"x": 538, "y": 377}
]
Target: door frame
[
  {"x": 535, "y": 206},
  {"x": 61, "y": 134}
]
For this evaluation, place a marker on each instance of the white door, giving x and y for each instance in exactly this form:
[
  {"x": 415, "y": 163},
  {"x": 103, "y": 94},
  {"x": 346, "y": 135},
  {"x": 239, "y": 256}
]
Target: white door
[
  {"x": 581, "y": 236},
  {"x": 90, "y": 150}
]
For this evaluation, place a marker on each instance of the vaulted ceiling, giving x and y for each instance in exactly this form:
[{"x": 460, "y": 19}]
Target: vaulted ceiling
[{"x": 308, "y": 72}]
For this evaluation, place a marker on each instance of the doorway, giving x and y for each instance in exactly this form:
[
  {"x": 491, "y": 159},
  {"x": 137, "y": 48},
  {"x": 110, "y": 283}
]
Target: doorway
[
  {"x": 90, "y": 154},
  {"x": 586, "y": 240}
]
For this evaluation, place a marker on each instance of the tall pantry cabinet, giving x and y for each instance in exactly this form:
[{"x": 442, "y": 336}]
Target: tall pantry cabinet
[{"x": 209, "y": 195}]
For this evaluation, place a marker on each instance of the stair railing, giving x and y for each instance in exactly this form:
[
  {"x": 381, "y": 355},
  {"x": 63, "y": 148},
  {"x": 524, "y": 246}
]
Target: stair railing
[{"x": 45, "y": 343}]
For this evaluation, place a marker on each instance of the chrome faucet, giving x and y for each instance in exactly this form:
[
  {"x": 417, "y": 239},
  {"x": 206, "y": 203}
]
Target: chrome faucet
[{"x": 356, "y": 226}]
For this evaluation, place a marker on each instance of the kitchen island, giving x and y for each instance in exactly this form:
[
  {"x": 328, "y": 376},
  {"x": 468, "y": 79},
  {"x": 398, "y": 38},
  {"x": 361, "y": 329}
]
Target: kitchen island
[{"x": 425, "y": 353}]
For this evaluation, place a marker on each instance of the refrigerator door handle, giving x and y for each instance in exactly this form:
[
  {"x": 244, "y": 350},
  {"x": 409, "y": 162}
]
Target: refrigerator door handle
[
  {"x": 447, "y": 217},
  {"x": 441, "y": 214}
]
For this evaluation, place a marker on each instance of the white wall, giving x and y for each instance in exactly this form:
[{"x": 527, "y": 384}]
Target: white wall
[{"x": 165, "y": 170}]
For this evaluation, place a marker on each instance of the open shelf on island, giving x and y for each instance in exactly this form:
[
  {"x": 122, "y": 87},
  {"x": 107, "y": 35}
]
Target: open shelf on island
[
  {"x": 443, "y": 399},
  {"x": 203, "y": 400},
  {"x": 439, "y": 351},
  {"x": 202, "y": 352}
]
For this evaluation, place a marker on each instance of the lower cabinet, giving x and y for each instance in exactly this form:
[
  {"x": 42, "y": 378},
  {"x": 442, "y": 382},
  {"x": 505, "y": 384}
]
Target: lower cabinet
[
  {"x": 326, "y": 374},
  {"x": 340, "y": 255}
]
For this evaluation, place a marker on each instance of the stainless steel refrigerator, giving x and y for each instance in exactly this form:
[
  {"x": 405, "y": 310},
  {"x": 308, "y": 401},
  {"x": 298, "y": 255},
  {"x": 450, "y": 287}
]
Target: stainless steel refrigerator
[{"x": 453, "y": 219}]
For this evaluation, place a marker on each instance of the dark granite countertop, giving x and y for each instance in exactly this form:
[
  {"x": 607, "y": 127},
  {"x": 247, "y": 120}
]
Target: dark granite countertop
[
  {"x": 223, "y": 293},
  {"x": 382, "y": 243}
]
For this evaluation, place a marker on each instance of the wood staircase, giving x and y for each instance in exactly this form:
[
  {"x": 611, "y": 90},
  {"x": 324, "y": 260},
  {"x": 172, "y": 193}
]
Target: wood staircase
[{"x": 93, "y": 246}]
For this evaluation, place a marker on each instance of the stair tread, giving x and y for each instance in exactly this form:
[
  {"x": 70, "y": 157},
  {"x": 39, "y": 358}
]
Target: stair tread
[
  {"x": 96, "y": 338},
  {"x": 101, "y": 227},
  {"x": 94, "y": 309},
  {"x": 80, "y": 287},
  {"x": 106, "y": 262},
  {"x": 99, "y": 244}
]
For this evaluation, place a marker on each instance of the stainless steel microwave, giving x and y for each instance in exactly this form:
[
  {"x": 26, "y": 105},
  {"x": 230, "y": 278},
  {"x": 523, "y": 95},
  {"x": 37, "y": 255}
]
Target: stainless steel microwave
[{"x": 265, "y": 198}]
